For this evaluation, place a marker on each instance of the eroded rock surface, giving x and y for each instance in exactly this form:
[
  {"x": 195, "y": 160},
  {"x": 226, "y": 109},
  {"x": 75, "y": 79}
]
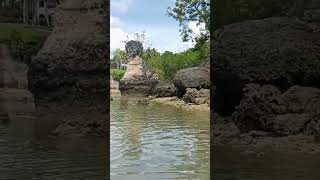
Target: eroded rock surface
[
  {"x": 165, "y": 90},
  {"x": 195, "y": 96},
  {"x": 69, "y": 74},
  {"x": 266, "y": 78},
  {"x": 195, "y": 77},
  {"x": 266, "y": 108},
  {"x": 71, "y": 66},
  {"x": 278, "y": 51},
  {"x": 114, "y": 88},
  {"x": 138, "y": 80}
]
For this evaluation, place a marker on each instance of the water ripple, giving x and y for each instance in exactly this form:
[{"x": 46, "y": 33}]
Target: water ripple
[{"x": 158, "y": 142}]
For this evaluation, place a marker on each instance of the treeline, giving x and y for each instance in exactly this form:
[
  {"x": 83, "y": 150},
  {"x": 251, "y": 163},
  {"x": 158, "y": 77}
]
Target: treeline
[
  {"x": 11, "y": 10},
  {"x": 10, "y": 4},
  {"x": 166, "y": 64},
  {"x": 231, "y": 11}
]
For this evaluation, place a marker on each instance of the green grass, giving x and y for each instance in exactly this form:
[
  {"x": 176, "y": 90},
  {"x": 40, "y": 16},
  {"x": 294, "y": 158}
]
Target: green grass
[
  {"x": 28, "y": 33},
  {"x": 23, "y": 40}
]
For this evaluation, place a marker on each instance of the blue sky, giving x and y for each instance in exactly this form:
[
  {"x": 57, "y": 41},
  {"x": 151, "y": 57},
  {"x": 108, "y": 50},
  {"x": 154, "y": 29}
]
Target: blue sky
[{"x": 129, "y": 16}]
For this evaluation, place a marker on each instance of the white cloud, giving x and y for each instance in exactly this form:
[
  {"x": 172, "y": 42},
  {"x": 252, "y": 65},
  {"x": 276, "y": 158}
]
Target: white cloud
[
  {"x": 117, "y": 34},
  {"x": 120, "y": 6},
  {"x": 197, "y": 29},
  {"x": 163, "y": 39}
]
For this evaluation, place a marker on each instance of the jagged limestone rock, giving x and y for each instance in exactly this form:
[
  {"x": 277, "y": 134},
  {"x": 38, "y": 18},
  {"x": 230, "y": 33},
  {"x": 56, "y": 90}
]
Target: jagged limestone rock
[
  {"x": 71, "y": 66},
  {"x": 139, "y": 79}
]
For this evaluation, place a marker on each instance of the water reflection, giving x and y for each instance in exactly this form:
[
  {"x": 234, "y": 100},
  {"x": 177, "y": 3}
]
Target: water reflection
[
  {"x": 158, "y": 142},
  {"x": 26, "y": 151}
]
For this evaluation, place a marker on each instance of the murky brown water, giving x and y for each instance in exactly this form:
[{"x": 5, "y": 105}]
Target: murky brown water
[
  {"x": 158, "y": 142},
  {"x": 232, "y": 164},
  {"x": 26, "y": 152}
]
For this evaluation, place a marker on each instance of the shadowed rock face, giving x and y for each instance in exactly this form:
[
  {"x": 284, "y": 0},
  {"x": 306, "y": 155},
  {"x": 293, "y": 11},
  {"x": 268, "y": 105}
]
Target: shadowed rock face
[
  {"x": 72, "y": 64},
  {"x": 266, "y": 108},
  {"x": 266, "y": 75},
  {"x": 278, "y": 51},
  {"x": 133, "y": 48}
]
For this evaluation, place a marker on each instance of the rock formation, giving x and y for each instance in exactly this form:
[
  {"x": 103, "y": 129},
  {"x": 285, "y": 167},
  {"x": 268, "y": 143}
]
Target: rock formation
[
  {"x": 71, "y": 66},
  {"x": 278, "y": 51},
  {"x": 14, "y": 95},
  {"x": 266, "y": 77},
  {"x": 69, "y": 74},
  {"x": 195, "y": 77},
  {"x": 138, "y": 80},
  {"x": 114, "y": 88},
  {"x": 164, "y": 89}
]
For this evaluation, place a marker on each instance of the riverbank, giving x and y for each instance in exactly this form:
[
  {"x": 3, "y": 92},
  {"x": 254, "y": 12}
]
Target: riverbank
[
  {"x": 176, "y": 102},
  {"x": 191, "y": 93}
]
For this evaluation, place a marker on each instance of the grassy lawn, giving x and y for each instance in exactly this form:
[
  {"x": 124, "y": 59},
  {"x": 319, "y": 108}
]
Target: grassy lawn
[
  {"x": 28, "y": 33},
  {"x": 23, "y": 40}
]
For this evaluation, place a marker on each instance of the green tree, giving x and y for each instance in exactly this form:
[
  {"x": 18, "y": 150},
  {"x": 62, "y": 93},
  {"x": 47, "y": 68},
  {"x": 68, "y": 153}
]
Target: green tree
[
  {"x": 186, "y": 11},
  {"x": 119, "y": 56},
  {"x": 168, "y": 63},
  {"x": 149, "y": 53}
]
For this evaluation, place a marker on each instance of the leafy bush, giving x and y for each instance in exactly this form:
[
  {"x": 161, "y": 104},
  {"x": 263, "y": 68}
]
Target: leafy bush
[
  {"x": 167, "y": 64},
  {"x": 24, "y": 41},
  {"x": 23, "y": 50},
  {"x": 117, "y": 74}
]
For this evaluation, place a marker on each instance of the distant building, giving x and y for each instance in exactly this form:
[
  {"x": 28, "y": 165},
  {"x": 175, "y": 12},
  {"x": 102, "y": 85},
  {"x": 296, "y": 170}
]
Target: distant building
[
  {"x": 37, "y": 11},
  {"x": 117, "y": 65}
]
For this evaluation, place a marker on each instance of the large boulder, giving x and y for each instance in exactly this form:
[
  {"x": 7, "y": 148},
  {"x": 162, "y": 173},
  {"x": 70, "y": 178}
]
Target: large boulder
[
  {"x": 71, "y": 65},
  {"x": 195, "y": 77},
  {"x": 278, "y": 51},
  {"x": 165, "y": 90},
  {"x": 139, "y": 79}
]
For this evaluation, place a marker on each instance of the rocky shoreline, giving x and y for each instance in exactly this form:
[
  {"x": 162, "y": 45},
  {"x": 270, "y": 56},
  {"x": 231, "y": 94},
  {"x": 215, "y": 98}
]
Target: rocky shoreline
[
  {"x": 189, "y": 89},
  {"x": 260, "y": 142},
  {"x": 168, "y": 93}
]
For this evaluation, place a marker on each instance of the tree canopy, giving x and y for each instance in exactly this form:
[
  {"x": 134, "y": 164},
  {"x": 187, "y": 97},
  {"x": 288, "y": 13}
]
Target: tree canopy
[
  {"x": 186, "y": 11},
  {"x": 223, "y": 12}
]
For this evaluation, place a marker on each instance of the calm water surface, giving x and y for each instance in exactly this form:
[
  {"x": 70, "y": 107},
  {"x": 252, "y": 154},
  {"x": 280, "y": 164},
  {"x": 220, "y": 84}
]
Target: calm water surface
[
  {"x": 158, "y": 142},
  {"x": 232, "y": 164},
  {"x": 26, "y": 152}
]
